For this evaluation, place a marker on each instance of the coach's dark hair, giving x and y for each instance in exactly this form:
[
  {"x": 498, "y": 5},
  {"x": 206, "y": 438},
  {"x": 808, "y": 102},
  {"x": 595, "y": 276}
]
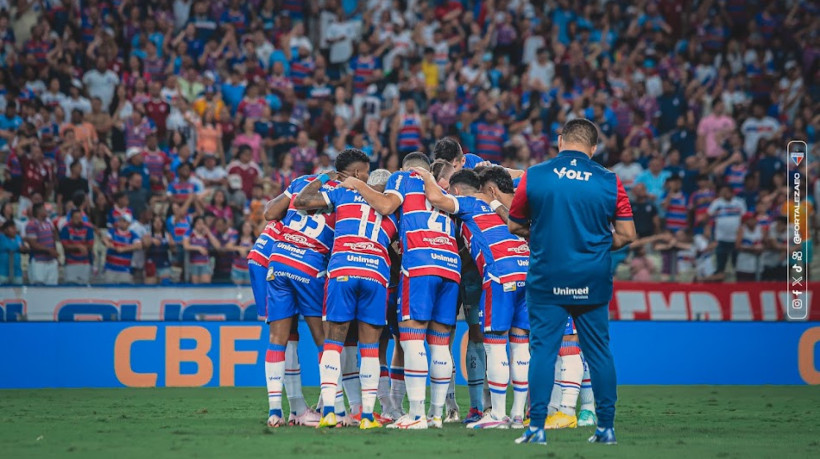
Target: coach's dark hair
[
  {"x": 416, "y": 159},
  {"x": 448, "y": 149},
  {"x": 465, "y": 177},
  {"x": 500, "y": 177},
  {"x": 350, "y": 156},
  {"x": 581, "y": 131},
  {"x": 440, "y": 168}
]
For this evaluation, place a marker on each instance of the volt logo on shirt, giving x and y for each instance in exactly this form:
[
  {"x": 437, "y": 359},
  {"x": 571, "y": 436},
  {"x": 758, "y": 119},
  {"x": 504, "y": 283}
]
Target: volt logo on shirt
[{"x": 572, "y": 174}]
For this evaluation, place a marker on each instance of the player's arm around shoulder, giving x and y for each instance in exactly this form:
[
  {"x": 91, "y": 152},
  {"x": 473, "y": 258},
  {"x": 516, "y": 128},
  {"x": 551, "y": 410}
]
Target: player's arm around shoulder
[
  {"x": 435, "y": 194},
  {"x": 384, "y": 203},
  {"x": 311, "y": 197}
]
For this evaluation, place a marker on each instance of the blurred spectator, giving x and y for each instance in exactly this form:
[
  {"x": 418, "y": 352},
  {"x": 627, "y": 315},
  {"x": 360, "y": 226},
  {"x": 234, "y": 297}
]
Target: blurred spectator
[
  {"x": 726, "y": 211},
  {"x": 749, "y": 246},
  {"x": 11, "y": 246},
  {"x": 121, "y": 243},
  {"x": 41, "y": 237},
  {"x": 709, "y": 94},
  {"x": 77, "y": 238}
]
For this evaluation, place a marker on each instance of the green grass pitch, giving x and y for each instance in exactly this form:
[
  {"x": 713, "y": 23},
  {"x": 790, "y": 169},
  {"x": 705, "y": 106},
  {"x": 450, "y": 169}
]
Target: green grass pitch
[{"x": 653, "y": 422}]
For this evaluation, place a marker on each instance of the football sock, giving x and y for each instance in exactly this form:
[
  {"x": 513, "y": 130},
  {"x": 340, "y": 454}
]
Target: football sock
[
  {"x": 384, "y": 390},
  {"x": 293, "y": 376},
  {"x": 519, "y": 372},
  {"x": 330, "y": 374},
  {"x": 587, "y": 398},
  {"x": 369, "y": 376},
  {"x": 476, "y": 368},
  {"x": 350, "y": 377},
  {"x": 397, "y": 388},
  {"x": 485, "y": 390},
  {"x": 441, "y": 369},
  {"x": 415, "y": 368},
  {"x": 451, "y": 402},
  {"x": 555, "y": 395},
  {"x": 572, "y": 371},
  {"x": 274, "y": 374},
  {"x": 498, "y": 372}
]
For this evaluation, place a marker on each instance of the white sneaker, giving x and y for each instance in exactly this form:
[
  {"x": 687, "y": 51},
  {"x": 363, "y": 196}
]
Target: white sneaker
[
  {"x": 488, "y": 421},
  {"x": 394, "y": 414},
  {"x": 517, "y": 422},
  {"x": 452, "y": 416},
  {"x": 308, "y": 418},
  {"x": 434, "y": 422},
  {"x": 408, "y": 422}
]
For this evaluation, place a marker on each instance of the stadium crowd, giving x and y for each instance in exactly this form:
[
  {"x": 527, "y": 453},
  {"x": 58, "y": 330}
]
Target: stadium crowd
[{"x": 141, "y": 140}]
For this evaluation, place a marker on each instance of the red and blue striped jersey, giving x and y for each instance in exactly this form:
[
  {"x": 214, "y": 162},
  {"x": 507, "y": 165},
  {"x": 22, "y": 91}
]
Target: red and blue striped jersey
[
  {"x": 43, "y": 231},
  {"x": 700, "y": 201},
  {"x": 499, "y": 255},
  {"x": 261, "y": 248},
  {"x": 428, "y": 236},
  {"x": 409, "y": 137},
  {"x": 178, "y": 228},
  {"x": 300, "y": 71},
  {"x": 363, "y": 69},
  {"x": 156, "y": 161},
  {"x": 304, "y": 238},
  {"x": 120, "y": 261},
  {"x": 179, "y": 190},
  {"x": 241, "y": 263},
  {"x": 83, "y": 234},
  {"x": 199, "y": 240},
  {"x": 489, "y": 141},
  {"x": 734, "y": 177},
  {"x": 362, "y": 237},
  {"x": 677, "y": 212}
]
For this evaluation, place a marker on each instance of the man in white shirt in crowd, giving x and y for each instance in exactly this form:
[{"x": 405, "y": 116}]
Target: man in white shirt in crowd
[
  {"x": 726, "y": 211},
  {"x": 627, "y": 170},
  {"x": 101, "y": 82},
  {"x": 756, "y": 127}
]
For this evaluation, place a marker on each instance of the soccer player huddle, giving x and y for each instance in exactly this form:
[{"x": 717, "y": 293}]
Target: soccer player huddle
[{"x": 366, "y": 257}]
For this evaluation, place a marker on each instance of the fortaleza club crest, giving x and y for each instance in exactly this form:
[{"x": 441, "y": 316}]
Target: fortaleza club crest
[{"x": 797, "y": 157}]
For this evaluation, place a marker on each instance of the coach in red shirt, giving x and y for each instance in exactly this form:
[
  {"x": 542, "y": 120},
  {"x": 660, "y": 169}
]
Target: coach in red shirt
[{"x": 568, "y": 207}]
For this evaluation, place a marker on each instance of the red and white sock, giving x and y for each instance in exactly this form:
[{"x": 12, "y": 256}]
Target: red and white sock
[
  {"x": 274, "y": 374},
  {"x": 572, "y": 372},
  {"x": 369, "y": 376},
  {"x": 293, "y": 376},
  {"x": 441, "y": 370},
  {"x": 519, "y": 372},
  {"x": 329, "y": 374},
  {"x": 498, "y": 372},
  {"x": 415, "y": 368},
  {"x": 350, "y": 377}
]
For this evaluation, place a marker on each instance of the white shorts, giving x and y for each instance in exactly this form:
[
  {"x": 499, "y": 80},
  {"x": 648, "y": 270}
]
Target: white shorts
[
  {"x": 43, "y": 272},
  {"x": 77, "y": 274}
]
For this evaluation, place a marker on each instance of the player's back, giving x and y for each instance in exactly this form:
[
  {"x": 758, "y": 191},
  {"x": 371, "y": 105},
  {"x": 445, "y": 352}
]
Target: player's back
[
  {"x": 303, "y": 238},
  {"x": 428, "y": 235},
  {"x": 499, "y": 255},
  {"x": 362, "y": 238}
]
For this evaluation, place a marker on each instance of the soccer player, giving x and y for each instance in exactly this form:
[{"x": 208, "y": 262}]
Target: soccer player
[
  {"x": 502, "y": 260},
  {"x": 574, "y": 212},
  {"x": 300, "y": 413},
  {"x": 296, "y": 278},
  {"x": 431, "y": 270},
  {"x": 358, "y": 274}
]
